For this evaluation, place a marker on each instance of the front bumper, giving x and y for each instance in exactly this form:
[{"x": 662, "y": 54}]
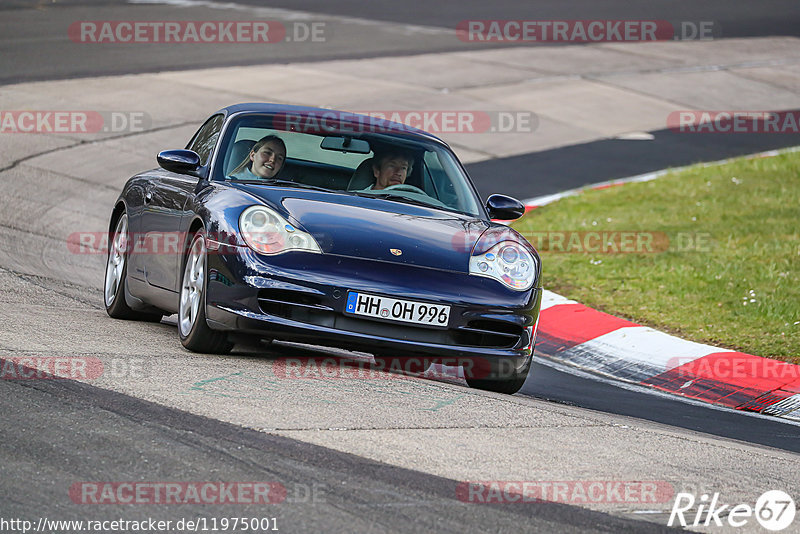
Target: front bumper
[{"x": 301, "y": 297}]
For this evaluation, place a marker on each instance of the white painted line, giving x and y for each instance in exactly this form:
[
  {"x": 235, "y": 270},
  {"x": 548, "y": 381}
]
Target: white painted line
[{"x": 548, "y": 199}]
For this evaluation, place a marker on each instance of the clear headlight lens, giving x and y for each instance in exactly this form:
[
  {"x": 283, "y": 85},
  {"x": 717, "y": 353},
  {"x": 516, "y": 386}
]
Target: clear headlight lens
[
  {"x": 505, "y": 257},
  {"x": 266, "y": 232}
]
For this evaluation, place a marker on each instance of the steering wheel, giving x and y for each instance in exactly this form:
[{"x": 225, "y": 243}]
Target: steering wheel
[{"x": 405, "y": 187}]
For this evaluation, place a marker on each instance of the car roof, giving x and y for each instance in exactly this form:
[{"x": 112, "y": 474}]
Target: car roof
[{"x": 382, "y": 126}]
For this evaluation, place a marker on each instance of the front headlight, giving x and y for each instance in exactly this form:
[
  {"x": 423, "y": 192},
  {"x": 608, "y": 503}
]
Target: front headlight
[
  {"x": 266, "y": 232},
  {"x": 505, "y": 256}
]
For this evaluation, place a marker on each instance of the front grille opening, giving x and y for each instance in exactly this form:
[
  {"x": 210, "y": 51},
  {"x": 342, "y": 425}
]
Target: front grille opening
[
  {"x": 295, "y": 305},
  {"x": 488, "y": 333},
  {"x": 287, "y": 296},
  {"x": 501, "y": 327}
]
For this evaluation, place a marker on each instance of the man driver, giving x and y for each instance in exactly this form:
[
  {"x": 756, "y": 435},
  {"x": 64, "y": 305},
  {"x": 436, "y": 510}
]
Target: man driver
[{"x": 390, "y": 168}]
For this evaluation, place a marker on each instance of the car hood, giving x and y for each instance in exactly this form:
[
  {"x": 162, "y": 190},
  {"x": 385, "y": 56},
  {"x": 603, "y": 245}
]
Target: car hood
[{"x": 388, "y": 231}]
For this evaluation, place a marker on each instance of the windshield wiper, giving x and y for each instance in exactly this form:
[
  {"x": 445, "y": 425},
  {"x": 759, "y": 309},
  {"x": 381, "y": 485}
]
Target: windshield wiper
[
  {"x": 399, "y": 198},
  {"x": 285, "y": 183},
  {"x": 438, "y": 204}
]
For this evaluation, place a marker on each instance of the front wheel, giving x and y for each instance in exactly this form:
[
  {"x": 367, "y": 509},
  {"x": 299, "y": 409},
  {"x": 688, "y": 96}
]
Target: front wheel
[
  {"x": 509, "y": 385},
  {"x": 192, "y": 327}
]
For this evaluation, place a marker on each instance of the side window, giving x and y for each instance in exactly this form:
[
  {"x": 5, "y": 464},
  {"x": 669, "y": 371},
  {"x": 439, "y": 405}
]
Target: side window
[{"x": 206, "y": 137}]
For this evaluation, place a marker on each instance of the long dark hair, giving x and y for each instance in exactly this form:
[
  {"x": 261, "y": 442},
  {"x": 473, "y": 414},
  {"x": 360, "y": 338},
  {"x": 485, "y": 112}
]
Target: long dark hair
[{"x": 245, "y": 164}]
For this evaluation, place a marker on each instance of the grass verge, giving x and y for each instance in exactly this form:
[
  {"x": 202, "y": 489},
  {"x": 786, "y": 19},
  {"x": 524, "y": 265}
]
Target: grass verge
[{"x": 711, "y": 254}]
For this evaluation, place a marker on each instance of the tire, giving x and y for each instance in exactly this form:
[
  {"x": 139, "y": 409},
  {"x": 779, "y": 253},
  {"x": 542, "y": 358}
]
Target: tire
[
  {"x": 505, "y": 385},
  {"x": 192, "y": 327},
  {"x": 116, "y": 274}
]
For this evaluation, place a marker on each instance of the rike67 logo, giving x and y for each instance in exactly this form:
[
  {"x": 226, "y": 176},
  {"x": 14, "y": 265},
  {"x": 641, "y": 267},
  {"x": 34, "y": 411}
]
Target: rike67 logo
[{"x": 774, "y": 510}]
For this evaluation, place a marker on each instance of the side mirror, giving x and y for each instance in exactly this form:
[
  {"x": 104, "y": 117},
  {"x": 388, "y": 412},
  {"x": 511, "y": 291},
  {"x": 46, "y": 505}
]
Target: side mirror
[
  {"x": 179, "y": 161},
  {"x": 504, "y": 208}
]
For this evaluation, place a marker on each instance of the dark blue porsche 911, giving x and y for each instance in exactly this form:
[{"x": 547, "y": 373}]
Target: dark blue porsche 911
[{"x": 331, "y": 228}]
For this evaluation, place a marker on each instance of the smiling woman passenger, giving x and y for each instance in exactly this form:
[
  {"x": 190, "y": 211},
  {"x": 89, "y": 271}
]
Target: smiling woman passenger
[{"x": 265, "y": 159}]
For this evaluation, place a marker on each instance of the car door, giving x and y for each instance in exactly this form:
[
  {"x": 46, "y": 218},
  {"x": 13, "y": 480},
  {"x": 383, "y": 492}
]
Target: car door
[{"x": 165, "y": 203}]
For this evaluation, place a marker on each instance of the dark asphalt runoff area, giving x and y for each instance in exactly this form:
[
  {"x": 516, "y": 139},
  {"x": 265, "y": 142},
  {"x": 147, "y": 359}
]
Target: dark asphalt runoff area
[{"x": 552, "y": 171}]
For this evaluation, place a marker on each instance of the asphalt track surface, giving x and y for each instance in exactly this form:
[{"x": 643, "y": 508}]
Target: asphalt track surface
[{"x": 76, "y": 428}]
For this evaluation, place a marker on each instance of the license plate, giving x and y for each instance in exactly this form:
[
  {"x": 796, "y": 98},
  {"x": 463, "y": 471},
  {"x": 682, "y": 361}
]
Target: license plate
[{"x": 399, "y": 310}]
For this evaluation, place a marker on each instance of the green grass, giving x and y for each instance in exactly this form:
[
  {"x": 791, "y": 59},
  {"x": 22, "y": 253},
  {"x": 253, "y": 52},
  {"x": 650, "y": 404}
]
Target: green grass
[{"x": 739, "y": 290}]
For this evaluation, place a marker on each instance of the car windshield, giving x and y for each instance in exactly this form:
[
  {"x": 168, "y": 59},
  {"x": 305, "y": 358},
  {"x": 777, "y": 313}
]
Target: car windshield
[{"x": 366, "y": 161}]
